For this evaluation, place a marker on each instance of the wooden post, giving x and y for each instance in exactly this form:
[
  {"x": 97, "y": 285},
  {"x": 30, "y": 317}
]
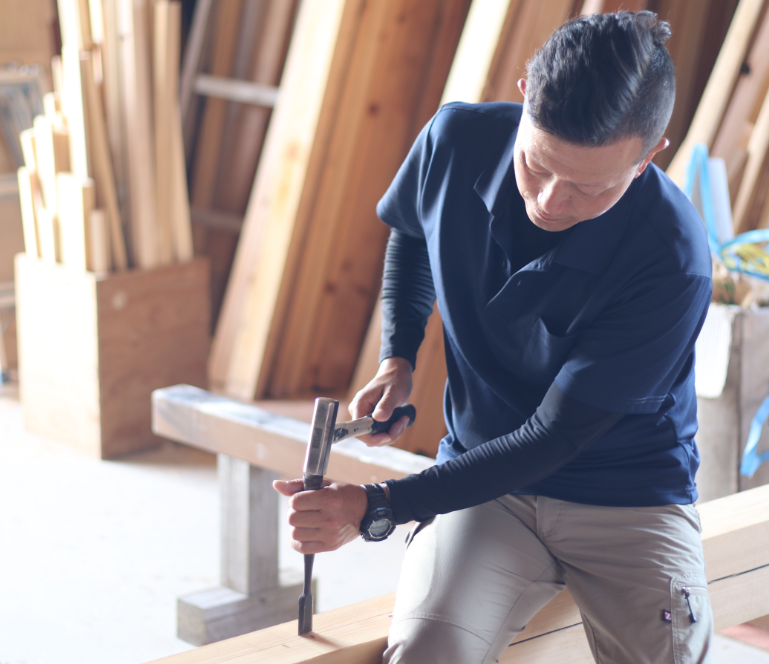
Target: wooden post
[{"x": 252, "y": 594}]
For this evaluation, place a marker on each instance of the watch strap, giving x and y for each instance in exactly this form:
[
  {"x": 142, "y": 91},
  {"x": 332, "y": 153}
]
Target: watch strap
[{"x": 379, "y": 509}]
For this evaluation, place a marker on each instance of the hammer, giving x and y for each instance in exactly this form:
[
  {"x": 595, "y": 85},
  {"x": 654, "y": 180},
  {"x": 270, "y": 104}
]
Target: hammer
[{"x": 323, "y": 433}]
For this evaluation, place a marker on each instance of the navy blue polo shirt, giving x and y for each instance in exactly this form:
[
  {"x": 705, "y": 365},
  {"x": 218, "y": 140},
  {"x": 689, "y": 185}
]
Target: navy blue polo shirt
[{"x": 610, "y": 313}]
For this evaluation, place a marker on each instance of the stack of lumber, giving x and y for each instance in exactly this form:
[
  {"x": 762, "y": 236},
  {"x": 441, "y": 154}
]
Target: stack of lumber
[
  {"x": 360, "y": 81},
  {"x": 732, "y": 118},
  {"x": 300, "y": 315},
  {"x": 111, "y": 82}
]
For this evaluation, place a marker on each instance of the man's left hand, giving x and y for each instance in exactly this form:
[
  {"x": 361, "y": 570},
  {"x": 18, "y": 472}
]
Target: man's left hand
[{"x": 326, "y": 519}]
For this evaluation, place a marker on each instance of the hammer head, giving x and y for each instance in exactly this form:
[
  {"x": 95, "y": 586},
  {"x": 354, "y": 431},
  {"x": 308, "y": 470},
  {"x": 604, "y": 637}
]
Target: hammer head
[{"x": 321, "y": 438}]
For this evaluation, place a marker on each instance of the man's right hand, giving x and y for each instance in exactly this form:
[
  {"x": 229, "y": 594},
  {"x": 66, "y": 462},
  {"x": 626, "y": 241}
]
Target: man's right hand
[{"x": 389, "y": 389}]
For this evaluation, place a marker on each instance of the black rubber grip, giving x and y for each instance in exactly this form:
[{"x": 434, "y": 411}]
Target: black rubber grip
[{"x": 406, "y": 409}]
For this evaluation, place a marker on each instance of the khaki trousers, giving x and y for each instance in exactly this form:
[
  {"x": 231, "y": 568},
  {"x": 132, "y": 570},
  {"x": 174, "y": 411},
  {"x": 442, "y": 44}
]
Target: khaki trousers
[{"x": 472, "y": 579}]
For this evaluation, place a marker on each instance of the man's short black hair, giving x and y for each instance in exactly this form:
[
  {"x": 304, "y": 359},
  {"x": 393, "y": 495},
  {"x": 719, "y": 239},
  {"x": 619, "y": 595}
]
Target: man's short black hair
[{"x": 602, "y": 78}]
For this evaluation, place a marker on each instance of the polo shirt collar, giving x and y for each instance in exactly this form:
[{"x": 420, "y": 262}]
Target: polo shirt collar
[
  {"x": 592, "y": 244},
  {"x": 494, "y": 184}
]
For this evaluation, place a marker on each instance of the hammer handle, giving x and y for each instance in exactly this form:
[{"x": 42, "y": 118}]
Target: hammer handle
[{"x": 405, "y": 410}]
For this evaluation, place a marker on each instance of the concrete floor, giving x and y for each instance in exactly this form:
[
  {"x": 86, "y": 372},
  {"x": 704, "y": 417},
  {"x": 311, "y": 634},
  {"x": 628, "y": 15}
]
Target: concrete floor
[{"x": 93, "y": 554}]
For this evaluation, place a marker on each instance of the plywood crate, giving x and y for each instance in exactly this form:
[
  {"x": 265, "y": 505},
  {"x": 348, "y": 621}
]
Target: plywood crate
[
  {"x": 725, "y": 421},
  {"x": 93, "y": 347}
]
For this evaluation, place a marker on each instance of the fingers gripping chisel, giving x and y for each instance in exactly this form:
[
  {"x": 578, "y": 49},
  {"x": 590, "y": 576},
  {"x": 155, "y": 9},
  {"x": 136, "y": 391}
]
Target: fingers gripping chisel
[{"x": 324, "y": 432}]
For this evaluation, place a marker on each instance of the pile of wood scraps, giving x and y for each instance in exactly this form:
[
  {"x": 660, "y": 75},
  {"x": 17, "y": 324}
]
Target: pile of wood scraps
[{"x": 110, "y": 83}]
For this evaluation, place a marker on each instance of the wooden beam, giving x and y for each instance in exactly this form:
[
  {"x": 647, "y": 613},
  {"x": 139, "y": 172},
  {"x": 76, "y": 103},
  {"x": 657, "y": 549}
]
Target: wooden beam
[
  {"x": 528, "y": 26},
  {"x": 77, "y": 198},
  {"x": 751, "y": 194},
  {"x": 136, "y": 79},
  {"x": 715, "y": 99},
  {"x": 106, "y": 193},
  {"x": 688, "y": 22},
  {"x": 246, "y": 125},
  {"x": 163, "y": 96},
  {"x": 389, "y": 85},
  {"x": 735, "y": 535},
  {"x": 284, "y": 167},
  {"x": 28, "y": 217},
  {"x": 209, "y": 142},
  {"x": 76, "y": 112},
  {"x": 181, "y": 228},
  {"x": 268, "y": 440},
  {"x": 748, "y": 95},
  {"x": 113, "y": 106}
]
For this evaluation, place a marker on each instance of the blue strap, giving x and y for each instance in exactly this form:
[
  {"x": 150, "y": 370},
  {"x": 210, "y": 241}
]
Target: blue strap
[
  {"x": 698, "y": 165},
  {"x": 751, "y": 460}
]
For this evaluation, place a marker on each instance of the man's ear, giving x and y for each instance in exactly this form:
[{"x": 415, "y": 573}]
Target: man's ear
[
  {"x": 522, "y": 86},
  {"x": 663, "y": 143}
]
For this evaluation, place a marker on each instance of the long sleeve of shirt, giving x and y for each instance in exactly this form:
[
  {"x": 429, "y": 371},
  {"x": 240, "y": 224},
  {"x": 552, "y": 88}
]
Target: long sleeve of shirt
[
  {"x": 408, "y": 295},
  {"x": 559, "y": 429}
]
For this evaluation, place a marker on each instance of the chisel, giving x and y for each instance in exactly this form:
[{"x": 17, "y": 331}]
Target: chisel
[{"x": 323, "y": 433}]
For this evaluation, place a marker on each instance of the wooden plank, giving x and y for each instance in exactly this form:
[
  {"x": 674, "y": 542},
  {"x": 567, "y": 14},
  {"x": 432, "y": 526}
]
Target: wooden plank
[
  {"x": 268, "y": 440},
  {"x": 163, "y": 97},
  {"x": 181, "y": 229},
  {"x": 28, "y": 217},
  {"x": 246, "y": 126},
  {"x": 391, "y": 85},
  {"x": 748, "y": 93},
  {"x": 207, "y": 151},
  {"x": 750, "y": 195},
  {"x": 98, "y": 241},
  {"x": 52, "y": 151},
  {"x": 47, "y": 231},
  {"x": 106, "y": 193},
  {"x": 529, "y": 24},
  {"x": 76, "y": 112},
  {"x": 475, "y": 53},
  {"x": 113, "y": 106},
  {"x": 611, "y": 6},
  {"x": 77, "y": 198},
  {"x": 715, "y": 98},
  {"x": 426, "y": 433},
  {"x": 688, "y": 22},
  {"x": 277, "y": 188},
  {"x": 358, "y": 632},
  {"x": 75, "y": 23},
  {"x": 136, "y": 80},
  {"x": 28, "y": 148}
]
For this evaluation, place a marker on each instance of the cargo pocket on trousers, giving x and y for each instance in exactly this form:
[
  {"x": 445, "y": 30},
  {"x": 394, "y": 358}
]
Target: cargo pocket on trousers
[{"x": 692, "y": 619}]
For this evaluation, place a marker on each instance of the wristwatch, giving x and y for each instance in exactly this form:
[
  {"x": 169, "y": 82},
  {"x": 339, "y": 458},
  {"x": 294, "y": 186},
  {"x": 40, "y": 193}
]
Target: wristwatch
[{"x": 378, "y": 523}]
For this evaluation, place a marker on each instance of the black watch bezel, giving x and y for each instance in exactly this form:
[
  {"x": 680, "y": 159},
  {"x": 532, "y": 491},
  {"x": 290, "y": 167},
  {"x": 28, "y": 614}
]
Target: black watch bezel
[{"x": 379, "y": 509}]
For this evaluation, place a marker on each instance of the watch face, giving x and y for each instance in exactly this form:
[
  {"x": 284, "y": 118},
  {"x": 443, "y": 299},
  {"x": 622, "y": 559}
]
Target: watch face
[{"x": 380, "y": 527}]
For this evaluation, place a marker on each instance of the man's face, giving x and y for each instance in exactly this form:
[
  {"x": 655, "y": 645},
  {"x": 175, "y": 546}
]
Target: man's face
[{"x": 564, "y": 184}]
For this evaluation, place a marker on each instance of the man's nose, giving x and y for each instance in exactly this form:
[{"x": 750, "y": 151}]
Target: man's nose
[{"x": 554, "y": 197}]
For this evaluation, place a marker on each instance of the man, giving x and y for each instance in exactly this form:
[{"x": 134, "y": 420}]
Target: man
[{"x": 572, "y": 278}]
